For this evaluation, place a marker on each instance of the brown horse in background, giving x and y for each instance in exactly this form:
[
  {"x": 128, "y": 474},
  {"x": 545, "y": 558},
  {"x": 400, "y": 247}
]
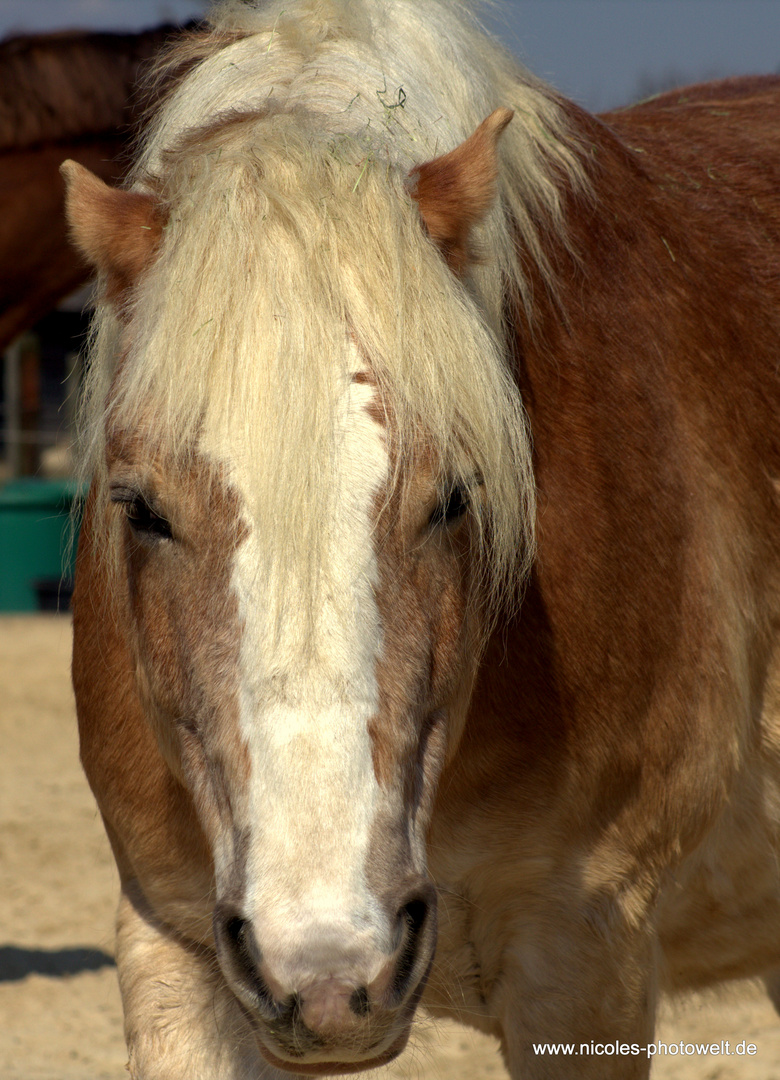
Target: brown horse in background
[
  {"x": 61, "y": 95},
  {"x": 383, "y": 702}
]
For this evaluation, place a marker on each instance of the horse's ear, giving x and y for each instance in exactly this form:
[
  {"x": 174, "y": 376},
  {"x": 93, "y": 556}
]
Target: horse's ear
[
  {"x": 117, "y": 231},
  {"x": 455, "y": 191}
]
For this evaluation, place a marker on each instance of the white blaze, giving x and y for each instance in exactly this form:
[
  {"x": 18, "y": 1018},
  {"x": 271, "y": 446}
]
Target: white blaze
[{"x": 304, "y": 715}]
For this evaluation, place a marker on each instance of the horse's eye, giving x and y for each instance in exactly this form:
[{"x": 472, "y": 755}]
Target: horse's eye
[
  {"x": 142, "y": 519},
  {"x": 451, "y": 508}
]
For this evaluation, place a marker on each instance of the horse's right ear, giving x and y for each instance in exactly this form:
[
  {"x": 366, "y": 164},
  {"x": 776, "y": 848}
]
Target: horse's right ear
[{"x": 117, "y": 231}]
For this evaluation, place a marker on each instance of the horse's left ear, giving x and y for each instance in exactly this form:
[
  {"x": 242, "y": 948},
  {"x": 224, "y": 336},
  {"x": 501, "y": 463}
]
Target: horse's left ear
[
  {"x": 117, "y": 231},
  {"x": 455, "y": 191}
]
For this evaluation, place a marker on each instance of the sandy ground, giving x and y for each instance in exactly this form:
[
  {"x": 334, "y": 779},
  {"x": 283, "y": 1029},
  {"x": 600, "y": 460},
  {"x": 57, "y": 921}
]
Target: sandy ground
[{"x": 60, "y": 1016}]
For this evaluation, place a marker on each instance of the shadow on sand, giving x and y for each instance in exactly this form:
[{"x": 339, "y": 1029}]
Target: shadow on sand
[{"x": 17, "y": 963}]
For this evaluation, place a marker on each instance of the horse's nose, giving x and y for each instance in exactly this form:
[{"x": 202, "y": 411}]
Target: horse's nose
[
  {"x": 330, "y": 1007},
  {"x": 333, "y": 983},
  {"x": 325, "y": 1003}
]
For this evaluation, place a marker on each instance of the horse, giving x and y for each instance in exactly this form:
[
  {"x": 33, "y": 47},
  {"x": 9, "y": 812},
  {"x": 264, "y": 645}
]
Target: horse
[
  {"x": 61, "y": 94},
  {"x": 427, "y": 600}
]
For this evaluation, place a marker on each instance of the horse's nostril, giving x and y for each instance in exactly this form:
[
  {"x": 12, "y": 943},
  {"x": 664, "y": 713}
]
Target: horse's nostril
[
  {"x": 240, "y": 957},
  {"x": 359, "y": 1002},
  {"x": 236, "y": 932},
  {"x": 412, "y": 918},
  {"x": 240, "y": 940},
  {"x": 415, "y": 912}
]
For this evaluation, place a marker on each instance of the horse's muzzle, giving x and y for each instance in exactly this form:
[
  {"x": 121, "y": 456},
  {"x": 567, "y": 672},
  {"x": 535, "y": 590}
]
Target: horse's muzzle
[{"x": 329, "y": 1021}]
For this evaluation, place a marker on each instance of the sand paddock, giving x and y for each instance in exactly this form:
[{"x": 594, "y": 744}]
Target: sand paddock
[{"x": 60, "y": 1017}]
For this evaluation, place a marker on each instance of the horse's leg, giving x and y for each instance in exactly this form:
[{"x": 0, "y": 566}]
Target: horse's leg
[
  {"x": 181, "y": 1020},
  {"x": 591, "y": 999}
]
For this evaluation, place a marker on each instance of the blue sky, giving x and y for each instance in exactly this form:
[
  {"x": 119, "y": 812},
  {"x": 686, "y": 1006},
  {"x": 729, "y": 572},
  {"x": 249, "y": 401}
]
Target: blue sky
[{"x": 600, "y": 52}]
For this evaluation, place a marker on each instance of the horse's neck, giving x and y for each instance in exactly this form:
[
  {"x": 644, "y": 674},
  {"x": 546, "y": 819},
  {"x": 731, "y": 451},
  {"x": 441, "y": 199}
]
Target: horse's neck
[{"x": 652, "y": 367}]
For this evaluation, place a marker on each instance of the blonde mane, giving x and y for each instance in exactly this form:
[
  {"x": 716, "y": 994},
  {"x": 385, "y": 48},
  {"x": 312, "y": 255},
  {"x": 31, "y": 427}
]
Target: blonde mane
[{"x": 282, "y": 156}]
